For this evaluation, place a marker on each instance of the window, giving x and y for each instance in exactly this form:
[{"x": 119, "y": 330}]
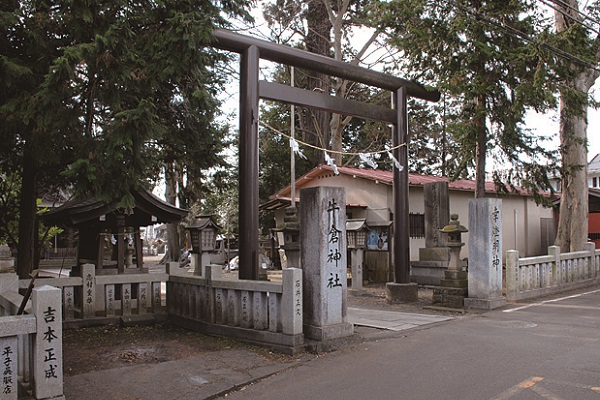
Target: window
[
  {"x": 595, "y": 181},
  {"x": 416, "y": 225}
]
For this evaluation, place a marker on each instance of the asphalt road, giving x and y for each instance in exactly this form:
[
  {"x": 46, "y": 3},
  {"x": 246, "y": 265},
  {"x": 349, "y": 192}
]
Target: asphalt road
[{"x": 544, "y": 350}]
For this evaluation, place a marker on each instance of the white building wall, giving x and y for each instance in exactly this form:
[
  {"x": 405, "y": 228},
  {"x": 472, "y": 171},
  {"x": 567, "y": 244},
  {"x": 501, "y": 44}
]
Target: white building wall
[{"x": 521, "y": 228}]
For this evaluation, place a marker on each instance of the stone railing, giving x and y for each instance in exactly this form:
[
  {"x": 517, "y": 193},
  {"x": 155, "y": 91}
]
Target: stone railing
[
  {"x": 537, "y": 276},
  {"x": 266, "y": 313},
  {"x": 92, "y": 297},
  {"x": 31, "y": 357}
]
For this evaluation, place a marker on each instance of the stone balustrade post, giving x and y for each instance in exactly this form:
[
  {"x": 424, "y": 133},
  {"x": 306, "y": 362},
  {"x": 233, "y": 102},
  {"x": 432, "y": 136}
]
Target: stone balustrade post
[
  {"x": 211, "y": 273},
  {"x": 556, "y": 268},
  {"x": 590, "y": 247},
  {"x": 512, "y": 273}
]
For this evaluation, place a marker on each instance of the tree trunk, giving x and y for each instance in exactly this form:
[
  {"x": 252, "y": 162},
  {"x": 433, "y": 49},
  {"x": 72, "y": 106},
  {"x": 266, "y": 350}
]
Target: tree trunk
[
  {"x": 336, "y": 19},
  {"x": 481, "y": 147},
  {"x": 171, "y": 198},
  {"x": 315, "y": 122},
  {"x": 573, "y": 215},
  {"x": 27, "y": 216},
  {"x": 574, "y": 210}
]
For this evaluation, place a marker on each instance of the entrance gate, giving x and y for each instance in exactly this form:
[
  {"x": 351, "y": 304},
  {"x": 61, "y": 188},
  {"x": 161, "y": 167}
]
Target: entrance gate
[{"x": 252, "y": 90}]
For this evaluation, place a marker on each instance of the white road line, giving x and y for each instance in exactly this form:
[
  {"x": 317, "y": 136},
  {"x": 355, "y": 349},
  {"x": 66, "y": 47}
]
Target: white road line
[{"x": 550, "y": 301}]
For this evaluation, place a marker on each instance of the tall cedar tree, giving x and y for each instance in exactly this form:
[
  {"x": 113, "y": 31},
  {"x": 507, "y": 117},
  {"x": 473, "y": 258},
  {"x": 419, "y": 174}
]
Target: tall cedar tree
[
  {"x": 579, "y": 74},
  {"x": 96, "y": 91},
  {"x": 322, "y": 27},
  {"x": 467, "y": 48}
]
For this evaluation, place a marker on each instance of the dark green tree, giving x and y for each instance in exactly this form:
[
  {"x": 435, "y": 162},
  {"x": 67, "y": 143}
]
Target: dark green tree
[
  {"x": 95, "y": 92},
  {"x": 481, "y": 54}
]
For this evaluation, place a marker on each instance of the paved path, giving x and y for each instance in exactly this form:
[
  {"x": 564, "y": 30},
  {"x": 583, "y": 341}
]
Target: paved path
[
  {"x": 541, "y": 350},
  {"x": 391, "y": 320},
  {"x": 548, "y": 350},
  {"x": 214, "y": 374}
]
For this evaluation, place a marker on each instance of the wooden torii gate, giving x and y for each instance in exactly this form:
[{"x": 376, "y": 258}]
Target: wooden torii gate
[{"x": 251, "y": 50}]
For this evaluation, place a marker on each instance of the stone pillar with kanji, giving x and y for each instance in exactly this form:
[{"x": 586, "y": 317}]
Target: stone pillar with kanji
[
  {"x": 485, "y": 254},
  {"x": 324, "y": 262}
]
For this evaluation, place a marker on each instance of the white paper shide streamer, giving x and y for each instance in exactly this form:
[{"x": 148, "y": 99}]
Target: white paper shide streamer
[
  {"x": 331, "y": 162},
  {"x": 396, "y": 162},
  {"x": 368, "y": 159},
  {"x": 296, "y": 148}
]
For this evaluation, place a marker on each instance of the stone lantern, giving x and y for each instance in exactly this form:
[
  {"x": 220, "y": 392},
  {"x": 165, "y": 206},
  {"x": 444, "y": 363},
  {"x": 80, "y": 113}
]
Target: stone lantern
[
  {"x": 356, "y": 236},
  {"x": 291, "y": 237},
  {"x": 454, "y": 231},
  {"x": 203, "y": 240},
  {"x": 453, "y": 288}
]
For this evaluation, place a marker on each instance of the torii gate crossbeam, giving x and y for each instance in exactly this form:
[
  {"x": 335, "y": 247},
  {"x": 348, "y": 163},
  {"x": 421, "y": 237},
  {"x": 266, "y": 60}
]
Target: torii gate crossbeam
[{"x": 251, "y": 91}]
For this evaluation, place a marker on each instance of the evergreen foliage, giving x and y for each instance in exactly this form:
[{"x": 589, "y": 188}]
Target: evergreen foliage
[
  {"x": 100, "y": 94},
  {"x": 468, "y": 50}
]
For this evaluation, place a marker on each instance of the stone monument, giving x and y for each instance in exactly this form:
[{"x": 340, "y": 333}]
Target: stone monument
[
  {"x": 434, "y": 257},
  {"x": 485, "y": 254},
  {"x": 324, "y": 264}
]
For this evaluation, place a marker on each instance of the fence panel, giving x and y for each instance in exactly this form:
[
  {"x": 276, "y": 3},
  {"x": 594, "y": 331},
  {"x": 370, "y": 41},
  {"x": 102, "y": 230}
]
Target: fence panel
[
  {"x": 537, "y": 276},
  {"x": 263, "y": 312}
]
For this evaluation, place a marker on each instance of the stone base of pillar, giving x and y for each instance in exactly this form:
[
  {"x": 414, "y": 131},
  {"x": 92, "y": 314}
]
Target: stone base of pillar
[
  {"x": 329, "y": 331},
  {"x": 450, "y": 297},
  {"x": 484, "y": 304},
  {"x": 401, "y": 292},
  {"x": 452, "y": 290}
]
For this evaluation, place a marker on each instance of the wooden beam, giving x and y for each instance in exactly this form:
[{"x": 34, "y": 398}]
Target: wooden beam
[{"x": 305, "y": 98}]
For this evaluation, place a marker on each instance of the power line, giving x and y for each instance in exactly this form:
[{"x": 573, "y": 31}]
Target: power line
[
  {"x": 567, "y": 15},
  {"x": 517, "y": 33},
  {"x": 570, "y": 7}
]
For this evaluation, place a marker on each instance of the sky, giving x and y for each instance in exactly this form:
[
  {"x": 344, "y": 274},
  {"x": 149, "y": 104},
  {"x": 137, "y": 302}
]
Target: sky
[{"x": 546, "y": 124}]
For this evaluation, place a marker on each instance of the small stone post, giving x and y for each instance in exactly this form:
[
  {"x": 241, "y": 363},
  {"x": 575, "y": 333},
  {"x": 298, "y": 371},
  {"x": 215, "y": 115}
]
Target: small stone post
[
  {"x": 485, "y": 254},
  {"x": 88, "y": 298},
  {"x": 291, "y": 302},
  {"x": 323, "y": 249},
  {"x": 9, "y": 368},
  {"x": 47, "y": 349}
]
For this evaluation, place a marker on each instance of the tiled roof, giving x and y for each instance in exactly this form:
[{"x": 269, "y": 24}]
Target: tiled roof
[
  {"x": 148, "y": 209},
  {"x": 387, "y": 177},
  {"x": 594, "y": 165}
]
